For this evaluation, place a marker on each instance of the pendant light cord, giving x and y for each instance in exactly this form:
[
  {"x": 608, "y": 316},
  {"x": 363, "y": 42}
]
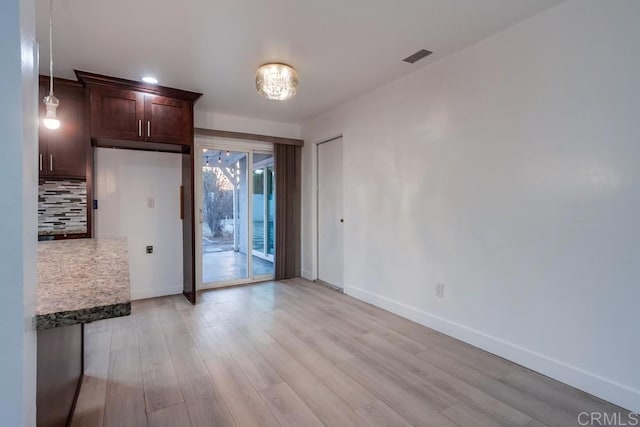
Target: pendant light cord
[{"x": 50, "y": 47}]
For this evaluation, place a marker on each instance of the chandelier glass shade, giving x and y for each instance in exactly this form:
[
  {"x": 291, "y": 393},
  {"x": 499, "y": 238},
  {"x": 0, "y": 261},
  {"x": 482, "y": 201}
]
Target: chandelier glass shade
[{"x": 277, "y": 81}]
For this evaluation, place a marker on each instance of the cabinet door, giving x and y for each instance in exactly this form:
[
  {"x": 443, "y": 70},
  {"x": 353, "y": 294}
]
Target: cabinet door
[
  {"x": 43, "y": 133},
  {"x": 42, "y": 146},
  {"x": 167, "y": 120},
  {"x": 117, "y": 114},
  {"x": 64, "y": 151}
]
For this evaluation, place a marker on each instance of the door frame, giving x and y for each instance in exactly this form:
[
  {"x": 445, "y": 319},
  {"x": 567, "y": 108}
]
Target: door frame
[
  {"x": 264, "y": 164},
  {"x": 219, "y": 143},
  {"x": 316, "y": 176}
]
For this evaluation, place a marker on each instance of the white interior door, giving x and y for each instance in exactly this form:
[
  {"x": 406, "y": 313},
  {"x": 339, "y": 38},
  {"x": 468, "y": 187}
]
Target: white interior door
[{"x": 330, "y": 220}]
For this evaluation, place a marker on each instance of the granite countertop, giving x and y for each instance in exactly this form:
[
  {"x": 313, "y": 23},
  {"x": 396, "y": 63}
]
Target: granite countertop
[{"x": 82, "y": 280}]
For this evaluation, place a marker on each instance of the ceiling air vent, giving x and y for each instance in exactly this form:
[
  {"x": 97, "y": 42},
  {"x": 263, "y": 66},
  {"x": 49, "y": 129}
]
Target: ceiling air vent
[{"x": 422, "y": 53}]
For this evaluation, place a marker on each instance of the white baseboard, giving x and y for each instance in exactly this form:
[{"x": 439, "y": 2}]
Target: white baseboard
[
  {"x": 306, "y": 274},
  {"x": 611, "y": 391},
  {"x": 137, "y": 294}
]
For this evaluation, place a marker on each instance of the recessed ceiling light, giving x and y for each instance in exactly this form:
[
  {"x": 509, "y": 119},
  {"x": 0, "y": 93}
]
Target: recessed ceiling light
[{"x": 150, "y": 80}]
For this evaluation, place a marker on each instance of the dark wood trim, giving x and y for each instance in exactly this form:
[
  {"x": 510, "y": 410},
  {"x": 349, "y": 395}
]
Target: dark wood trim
[
  {"x": 188, "y": 228},
  {"x": 75, "y": 399},
  {"x": 189, "y": 220},
  {"x": 89, "y": 176},
  {"x": 93, "y": 79},
  {"x": 60, "y": 369},
  {"x": 57, "y": 81},
  {"x": 122, "y": 144},
  {"x": 190, "y": 296},
  {"x": 79, "y": 387},
  {"x": 249, "y": 136},
  {"x": 192, "y": 218}
]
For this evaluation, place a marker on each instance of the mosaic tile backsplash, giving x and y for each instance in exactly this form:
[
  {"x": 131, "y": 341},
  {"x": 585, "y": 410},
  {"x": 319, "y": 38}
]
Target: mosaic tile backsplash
[{"x": 62, "y": 207}]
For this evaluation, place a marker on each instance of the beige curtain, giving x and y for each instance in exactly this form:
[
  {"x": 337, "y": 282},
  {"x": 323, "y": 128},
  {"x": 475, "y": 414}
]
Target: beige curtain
[{"x": 287, "y": 164}]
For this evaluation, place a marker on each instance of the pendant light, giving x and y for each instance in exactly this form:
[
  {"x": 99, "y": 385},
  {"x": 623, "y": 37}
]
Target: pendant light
[{"x": 50, "y": 101}]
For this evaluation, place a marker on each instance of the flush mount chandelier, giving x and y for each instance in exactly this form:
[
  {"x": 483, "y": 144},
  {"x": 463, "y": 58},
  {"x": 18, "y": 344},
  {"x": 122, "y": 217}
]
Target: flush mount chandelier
[{"x": 277, "y": 81}]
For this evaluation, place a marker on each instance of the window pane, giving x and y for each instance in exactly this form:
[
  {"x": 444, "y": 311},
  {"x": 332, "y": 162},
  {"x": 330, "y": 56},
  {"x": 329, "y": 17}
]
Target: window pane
[
  {"x": 263, "y": 214},
  {"x": 224, "y": 217}
]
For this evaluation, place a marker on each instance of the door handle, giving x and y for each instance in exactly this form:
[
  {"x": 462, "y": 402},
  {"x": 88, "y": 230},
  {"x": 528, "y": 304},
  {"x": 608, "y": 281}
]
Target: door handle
[
  {"x": 51, "y": 162},
  {"x": 148, "y": 128},
  {"x": 140, "y": 127},
  {"x": 40, "y": 162},
  {"x": 201, "y": 215}
]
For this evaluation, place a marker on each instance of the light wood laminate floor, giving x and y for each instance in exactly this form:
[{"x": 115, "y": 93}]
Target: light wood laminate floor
[{"x": 296, "y": 353}]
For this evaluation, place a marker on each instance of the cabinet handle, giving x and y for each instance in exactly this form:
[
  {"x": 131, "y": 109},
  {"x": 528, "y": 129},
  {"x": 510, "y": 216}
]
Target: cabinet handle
[
  {"x": 40, "y": 162},
  {"x": 51, "y": 162},
  {"x": 140, "y": 127},
  {"x": 148, "y": 129}
]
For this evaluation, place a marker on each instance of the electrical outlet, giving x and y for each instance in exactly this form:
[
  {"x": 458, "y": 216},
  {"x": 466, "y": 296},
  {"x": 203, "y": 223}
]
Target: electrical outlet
[
  {"x": 149, "y": 249},
  {"x": 440, "y": 290}
]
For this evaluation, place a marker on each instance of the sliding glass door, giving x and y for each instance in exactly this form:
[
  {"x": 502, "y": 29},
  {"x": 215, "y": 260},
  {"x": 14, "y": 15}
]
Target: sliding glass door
[
  {"x": 263, "y": 220},
  {"x": 237, "y": 213}
]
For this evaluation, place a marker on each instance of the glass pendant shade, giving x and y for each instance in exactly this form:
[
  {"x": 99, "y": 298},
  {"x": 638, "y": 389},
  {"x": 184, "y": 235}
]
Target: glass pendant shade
[
  {"x": 51, "y": 120},
  {"x": 277, "y": 81}
]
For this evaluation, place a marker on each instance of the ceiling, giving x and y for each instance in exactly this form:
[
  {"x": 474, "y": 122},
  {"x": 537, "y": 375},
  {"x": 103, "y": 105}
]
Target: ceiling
[{"x": 340, "y": 48}]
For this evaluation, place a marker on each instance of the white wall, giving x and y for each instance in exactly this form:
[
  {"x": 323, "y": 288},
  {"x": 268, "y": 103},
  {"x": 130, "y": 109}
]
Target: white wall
[
  {"x": 510, "y": 173},
  {"x": 125, "y": 181},
  {"x": 18, "y": 212},
  {"x": 219, "y": 121}
]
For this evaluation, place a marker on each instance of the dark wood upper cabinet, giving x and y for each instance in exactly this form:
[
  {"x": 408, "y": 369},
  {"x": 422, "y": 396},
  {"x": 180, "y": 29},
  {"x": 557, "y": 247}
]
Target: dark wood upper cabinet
[
  {"x": 63, "y": 152},
  {"x": 167, "y": 120},
  {"x": 117, "y": 114},
  {"x": 126, "y": 110}
]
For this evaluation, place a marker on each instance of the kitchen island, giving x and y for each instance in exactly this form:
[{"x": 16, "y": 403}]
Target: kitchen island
[{"x": 79, "y": 281}]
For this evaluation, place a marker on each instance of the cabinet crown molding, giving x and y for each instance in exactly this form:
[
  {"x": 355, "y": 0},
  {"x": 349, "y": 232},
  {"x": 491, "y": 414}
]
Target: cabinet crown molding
[
  {"x": 93, "y": 79},
  {"x": 61, "y": 83}
]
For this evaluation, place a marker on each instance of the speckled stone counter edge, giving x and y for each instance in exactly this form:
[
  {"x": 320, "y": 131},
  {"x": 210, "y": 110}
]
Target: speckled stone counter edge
[{"x": 86, "y": 315}]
